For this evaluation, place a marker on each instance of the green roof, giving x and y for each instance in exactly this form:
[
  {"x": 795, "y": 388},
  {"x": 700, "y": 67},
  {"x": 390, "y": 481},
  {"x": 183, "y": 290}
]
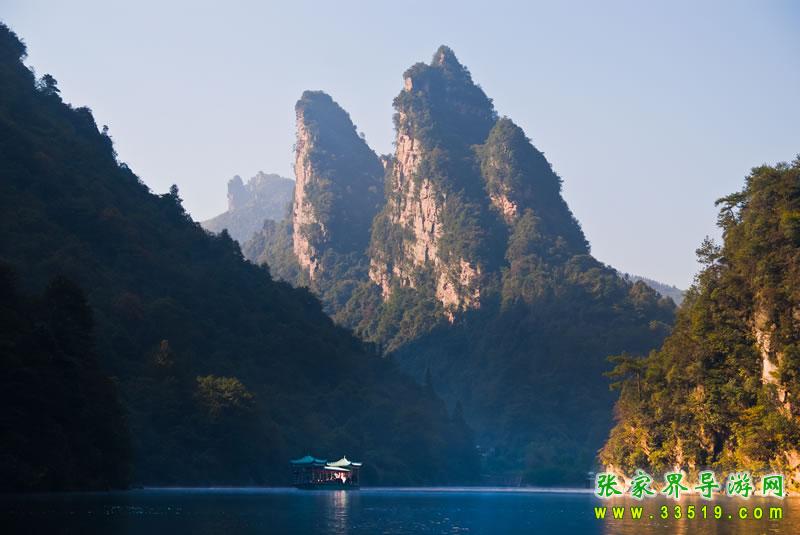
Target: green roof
[
  {"x": 308, "y": 459},
  {"x": 344, "y": 462}
]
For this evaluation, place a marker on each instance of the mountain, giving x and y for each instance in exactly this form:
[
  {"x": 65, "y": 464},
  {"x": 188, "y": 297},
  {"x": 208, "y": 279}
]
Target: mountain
[
  {"x": 222, "y": 373},
  {"x": 338, "y": 193},
  {"x": 436, "y": 228},
  {"x": 476, "y": 279},
  {"x": 461, "y": 181},
  {"x": 339, "y": 180},
  {"x": 265, "y": 196},
  {"x": 667, "y": 290},
  {"x": 721, "y": 392}
]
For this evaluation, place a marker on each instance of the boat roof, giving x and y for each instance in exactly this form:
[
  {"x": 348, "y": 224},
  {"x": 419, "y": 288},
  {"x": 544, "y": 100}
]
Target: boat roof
[
  {"x": 344, "y": 462},
  {"x": 336, "y": 469},
  {"x": 308, "y": 459}
]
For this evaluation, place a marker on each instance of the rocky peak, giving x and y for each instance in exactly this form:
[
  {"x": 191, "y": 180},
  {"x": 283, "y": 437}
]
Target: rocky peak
[
  {"x": 440, "y": 115},
  {"x": 237, "y": 193},
  {"x": 458, "y": 185},
  {"x": 445, "y": 57},
  {"x": 446, "y": 61},
  {"x": 264, "y": 196},
  {"x": 339, "y": 184},
  {"x": 260, "y": 188},
  {"x": 260, "y": 182}
]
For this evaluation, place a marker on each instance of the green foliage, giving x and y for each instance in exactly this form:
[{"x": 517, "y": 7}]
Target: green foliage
[
  {"x": 407, "y": 314},
  {"x": 468, "y": 231},
  {"x": 528, "y": 368},
  {"x": 513, "y": 168},
  {"x": 220, "y": 395},
  {"x": 445, "y": 108},
  {"x": 172, "y": 303},
  {"x": 63, "y": 427},
  {"x": 271, "y": 248},
  {"x": 700, "y": 401}
]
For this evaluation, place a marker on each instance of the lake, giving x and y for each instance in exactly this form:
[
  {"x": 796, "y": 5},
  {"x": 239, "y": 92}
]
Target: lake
[{"x": 374, "y": 511}]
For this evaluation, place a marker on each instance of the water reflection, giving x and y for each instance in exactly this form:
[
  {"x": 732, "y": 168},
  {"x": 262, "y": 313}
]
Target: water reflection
[
  {"x": 721, "y": 516},
  {"x": 370, "y": 511},
  {"x": 337, "y": 510}
]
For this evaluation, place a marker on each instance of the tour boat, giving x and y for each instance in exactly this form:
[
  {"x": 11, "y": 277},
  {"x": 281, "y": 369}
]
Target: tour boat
[{"x": 312, "y": 473}]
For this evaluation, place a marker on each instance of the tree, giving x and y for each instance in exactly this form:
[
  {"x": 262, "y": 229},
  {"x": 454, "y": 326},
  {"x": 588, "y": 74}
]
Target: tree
[{"x": 49, "y": 85}]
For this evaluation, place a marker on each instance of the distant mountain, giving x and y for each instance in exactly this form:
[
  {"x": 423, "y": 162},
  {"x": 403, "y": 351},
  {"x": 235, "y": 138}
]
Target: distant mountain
[
  {"x": 722, "y": 391},
  {"x": 223, "y": 374},
  {"x": 667, "y": 290},
  {"x": 265, "y": 196},
  {"x": 467, "y": 269}
]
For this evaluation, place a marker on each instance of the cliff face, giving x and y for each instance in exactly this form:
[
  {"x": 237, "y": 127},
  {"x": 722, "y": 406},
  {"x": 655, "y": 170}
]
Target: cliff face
[
  {"x": 264, "y": 196},
  {"x": 441, "y": 113},
  {"x": 767, "y": 343},
  {"x": 731, "y": 363},
  {"x": 339, "y": 185},
  {"x": 306, "y": 223},
  {"x": 458, "y": 184},
  {"x": 415, "y": 208},
  {"x": 405, "y": 208}
]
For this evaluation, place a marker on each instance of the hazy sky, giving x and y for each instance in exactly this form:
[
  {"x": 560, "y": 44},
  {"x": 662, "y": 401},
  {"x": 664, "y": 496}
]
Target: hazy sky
[{"x": 648, "y": 110}]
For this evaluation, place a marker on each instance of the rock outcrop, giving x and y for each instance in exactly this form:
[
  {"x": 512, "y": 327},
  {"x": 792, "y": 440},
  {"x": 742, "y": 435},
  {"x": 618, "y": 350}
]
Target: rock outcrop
[
  {"x": 441, "y": 113},
  {"x": 264, "y": 196},
  {"x": 458, "y": 182},
  {"x": 768, "y": 342},
  {"x": 305, "y": 222},
  {"x": 339, "y": 183}
]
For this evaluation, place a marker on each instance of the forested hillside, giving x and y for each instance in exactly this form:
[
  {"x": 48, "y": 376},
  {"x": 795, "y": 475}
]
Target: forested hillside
[
  {"x": 667, "y": 290},
  {"x": 223, "y": 374},
  {"x": 722, "y": 391},
  {"x": 62, "y": 425}
]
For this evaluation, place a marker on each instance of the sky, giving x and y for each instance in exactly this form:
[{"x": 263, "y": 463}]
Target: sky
[{"x": 649, "y": 111}]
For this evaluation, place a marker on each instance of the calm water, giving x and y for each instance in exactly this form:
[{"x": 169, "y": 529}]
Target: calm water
[{"x": 369, "y": 511}]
